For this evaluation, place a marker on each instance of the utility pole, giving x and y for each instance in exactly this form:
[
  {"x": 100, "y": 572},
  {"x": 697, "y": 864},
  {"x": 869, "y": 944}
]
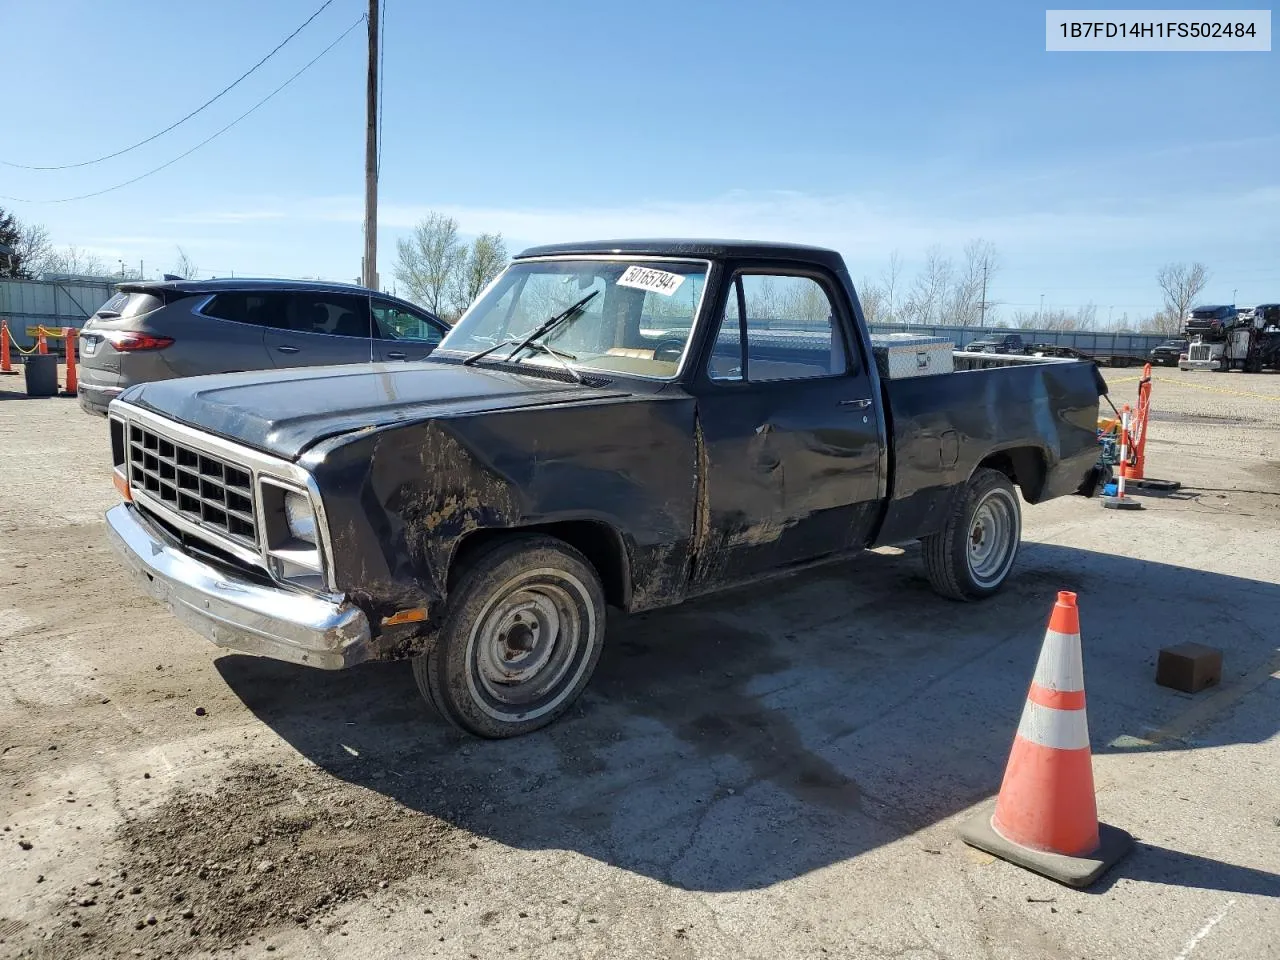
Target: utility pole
[
  {"x": 1040, "y": 317},
  {"x": 369, "y": 273},
  {"x": 982, "y": 315}
]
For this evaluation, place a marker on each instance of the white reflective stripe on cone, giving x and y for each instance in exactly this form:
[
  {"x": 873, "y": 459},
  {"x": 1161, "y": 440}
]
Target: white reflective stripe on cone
[
  {"x": 1060, "y": 666},
  {"x": 1058, "y": 729}
]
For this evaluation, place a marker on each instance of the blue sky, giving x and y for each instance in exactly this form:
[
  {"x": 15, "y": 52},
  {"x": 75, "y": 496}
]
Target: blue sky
[{"x": 870, "y": 128}]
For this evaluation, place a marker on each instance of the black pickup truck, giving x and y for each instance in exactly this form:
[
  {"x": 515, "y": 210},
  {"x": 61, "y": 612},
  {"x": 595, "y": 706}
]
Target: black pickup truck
[{"x": 624, "y": 423}]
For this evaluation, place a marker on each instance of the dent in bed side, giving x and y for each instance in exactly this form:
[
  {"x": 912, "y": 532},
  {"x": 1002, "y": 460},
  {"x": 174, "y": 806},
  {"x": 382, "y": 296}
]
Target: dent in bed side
[{"x": 1037, "y": 421}]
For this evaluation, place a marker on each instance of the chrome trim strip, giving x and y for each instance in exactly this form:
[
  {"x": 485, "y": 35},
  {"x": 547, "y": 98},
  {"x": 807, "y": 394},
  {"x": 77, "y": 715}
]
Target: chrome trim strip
[{"x": 235, "y": 613}]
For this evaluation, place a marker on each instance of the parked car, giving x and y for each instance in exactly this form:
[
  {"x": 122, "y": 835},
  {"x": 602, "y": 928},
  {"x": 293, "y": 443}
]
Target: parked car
[
  {"x": 1008, "y": 343},
  {"x": 1210, "y": 320},
  {"x": 610, "y": 423},
  {"x": 1168, "y": 353},
  {"x": 1266, "y": 316},
  {"x": 182, "y": 328}
]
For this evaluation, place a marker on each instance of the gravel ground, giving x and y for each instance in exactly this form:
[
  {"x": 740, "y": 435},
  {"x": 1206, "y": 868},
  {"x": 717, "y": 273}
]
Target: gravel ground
[{"x": 772, "y": 773}]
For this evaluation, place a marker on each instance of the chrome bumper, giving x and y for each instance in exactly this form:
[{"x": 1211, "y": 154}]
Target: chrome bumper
[{"x": 236, "y": 613}]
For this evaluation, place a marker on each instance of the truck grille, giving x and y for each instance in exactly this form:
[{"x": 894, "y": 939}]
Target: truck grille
[
  {"x": 1199, "y": 351},
  {"x": 205, "y": 490}
]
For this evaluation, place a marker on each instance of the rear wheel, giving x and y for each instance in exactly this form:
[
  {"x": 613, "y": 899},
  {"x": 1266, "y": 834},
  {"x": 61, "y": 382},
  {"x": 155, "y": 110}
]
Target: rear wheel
[
  {"x": 521, "y": 639},
  {"x": 970, "y": 557}
]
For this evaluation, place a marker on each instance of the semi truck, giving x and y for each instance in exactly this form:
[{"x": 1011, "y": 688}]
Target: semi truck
[{"x": 1223, "y": 339}]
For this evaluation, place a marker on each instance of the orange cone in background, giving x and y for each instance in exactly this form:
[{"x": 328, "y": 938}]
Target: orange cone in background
[
  {"x": 42, "y": 344},
  {"x": 6, "y": 364},
  {"x": 71, "y": 337},
  {"x": 1045, "y": 817}
]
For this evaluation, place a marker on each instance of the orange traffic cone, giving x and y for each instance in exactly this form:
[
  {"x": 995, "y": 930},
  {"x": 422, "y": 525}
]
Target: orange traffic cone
[
  {"x": 6, "y": 365},
  {"x": 1045, "y": 817}
]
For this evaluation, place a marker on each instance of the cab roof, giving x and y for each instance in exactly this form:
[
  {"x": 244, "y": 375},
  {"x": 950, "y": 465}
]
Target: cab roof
[{"x": 706, "y": 249}]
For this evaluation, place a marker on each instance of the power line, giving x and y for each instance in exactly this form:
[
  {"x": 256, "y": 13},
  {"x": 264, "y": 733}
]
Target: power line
[
  {"x": 218, "y": 96},
  {"x": 98, "y": 193}
]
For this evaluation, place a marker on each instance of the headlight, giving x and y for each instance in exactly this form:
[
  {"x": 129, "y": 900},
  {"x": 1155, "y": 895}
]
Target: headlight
[
  {"x": 291, "y": 535},
  {"x": 300, "y": 517}
]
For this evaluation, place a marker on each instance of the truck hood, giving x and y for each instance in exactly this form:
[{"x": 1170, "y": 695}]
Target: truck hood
[{"x": 283, "y": 412}]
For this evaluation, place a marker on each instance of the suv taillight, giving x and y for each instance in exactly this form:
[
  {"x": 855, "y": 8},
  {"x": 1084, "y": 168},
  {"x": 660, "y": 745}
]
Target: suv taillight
[{"x": 129, "y": 340}]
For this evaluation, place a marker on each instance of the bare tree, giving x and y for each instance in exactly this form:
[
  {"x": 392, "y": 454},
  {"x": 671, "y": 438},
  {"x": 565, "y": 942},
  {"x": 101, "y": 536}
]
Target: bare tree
[
  {"x": 485, "y": 259},
  {"x": 428, "y": 261},
  {"x": 889, "y": 280},
  {"x": 35, "y": 249},
  {"x": 1164, "y": 321},
  {"x": 1058, "y": 318},
  {"x": 970, "y": 301},
  {"x": 875, "y": 301},
  {"x": 74, "y": 260},
  {"x": 928, "y": 298},
  {"x": 184, "y": 266},
  {"x": 27, "y": 247},
  {"x": 1181, "y": 284}
]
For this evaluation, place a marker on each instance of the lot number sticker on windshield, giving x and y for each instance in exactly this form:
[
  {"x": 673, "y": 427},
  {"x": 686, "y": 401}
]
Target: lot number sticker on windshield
[{"x": 655, "y": 281}]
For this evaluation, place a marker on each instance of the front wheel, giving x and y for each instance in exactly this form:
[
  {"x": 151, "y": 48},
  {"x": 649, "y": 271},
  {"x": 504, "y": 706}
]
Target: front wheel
[
  {"x": 521, "y": 639},
  {"x": 970, "y": 557}
]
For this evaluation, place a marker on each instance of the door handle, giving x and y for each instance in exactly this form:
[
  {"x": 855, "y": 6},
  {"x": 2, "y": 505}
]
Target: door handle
[
  {"x": 856, "y": 404},
  {"x": 286, "y": 348},
  {"x": 395, "y": 355}
]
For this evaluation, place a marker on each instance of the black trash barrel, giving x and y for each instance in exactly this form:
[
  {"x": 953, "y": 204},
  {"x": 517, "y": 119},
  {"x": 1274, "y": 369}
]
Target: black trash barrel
[{"x": 42, "y": 375}]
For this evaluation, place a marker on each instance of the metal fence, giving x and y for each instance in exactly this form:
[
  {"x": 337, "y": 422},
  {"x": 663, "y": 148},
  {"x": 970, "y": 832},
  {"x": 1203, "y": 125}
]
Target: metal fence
[
  {"x": 51, "y": 303},
  {"x": 1134, "y": 346}
]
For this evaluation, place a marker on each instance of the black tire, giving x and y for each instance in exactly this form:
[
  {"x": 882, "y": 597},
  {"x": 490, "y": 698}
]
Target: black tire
[
  {"x": 531, "y": 605},
  {"x": 957, "y": 565}
]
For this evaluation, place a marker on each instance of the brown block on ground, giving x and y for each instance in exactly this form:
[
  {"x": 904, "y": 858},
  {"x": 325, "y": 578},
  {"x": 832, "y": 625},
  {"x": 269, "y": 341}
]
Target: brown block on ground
[{"x": 1189, "y": 667}]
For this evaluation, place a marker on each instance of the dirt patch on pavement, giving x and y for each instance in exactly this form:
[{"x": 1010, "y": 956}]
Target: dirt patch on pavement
[{"x": 268, "y": 848}]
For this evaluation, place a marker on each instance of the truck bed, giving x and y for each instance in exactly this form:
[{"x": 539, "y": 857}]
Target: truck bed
[{"x": 940, "y": 426}]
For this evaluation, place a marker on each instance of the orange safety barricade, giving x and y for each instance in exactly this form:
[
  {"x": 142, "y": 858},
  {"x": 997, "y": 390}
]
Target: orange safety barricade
[{"x": 71, "y": 339}]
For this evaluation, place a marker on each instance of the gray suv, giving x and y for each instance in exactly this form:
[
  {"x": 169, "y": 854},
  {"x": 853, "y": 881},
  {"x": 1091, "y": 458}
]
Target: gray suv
[{"x": 183, "y": 328}]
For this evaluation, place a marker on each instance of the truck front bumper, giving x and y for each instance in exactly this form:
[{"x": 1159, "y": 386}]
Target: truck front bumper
[{"x": 235, "y": 612}]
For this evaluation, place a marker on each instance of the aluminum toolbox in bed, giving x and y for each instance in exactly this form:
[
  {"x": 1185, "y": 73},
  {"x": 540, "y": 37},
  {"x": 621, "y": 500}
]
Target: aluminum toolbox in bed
[{"x": 902, "y": 355}]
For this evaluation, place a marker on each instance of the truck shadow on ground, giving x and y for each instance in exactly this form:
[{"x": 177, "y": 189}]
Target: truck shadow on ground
[{"x": 753, "y": 737}]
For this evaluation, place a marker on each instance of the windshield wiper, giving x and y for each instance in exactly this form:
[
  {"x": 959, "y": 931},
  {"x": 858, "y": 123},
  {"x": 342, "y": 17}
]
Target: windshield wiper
[
  {"x": 553, "y": 352},
  {"x": 545, "y": 328}
]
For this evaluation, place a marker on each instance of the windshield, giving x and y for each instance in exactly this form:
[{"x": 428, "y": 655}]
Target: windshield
[{"x": 638, "y": 322}]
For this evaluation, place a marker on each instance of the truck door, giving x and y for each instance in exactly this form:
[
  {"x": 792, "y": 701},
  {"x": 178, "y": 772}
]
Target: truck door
[{"x": 788, "y": 429}]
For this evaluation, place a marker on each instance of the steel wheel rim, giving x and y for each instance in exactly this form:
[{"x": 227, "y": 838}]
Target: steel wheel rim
[
  {"x": 992, "y": 540},
  {"x": 530, "y": 645}
]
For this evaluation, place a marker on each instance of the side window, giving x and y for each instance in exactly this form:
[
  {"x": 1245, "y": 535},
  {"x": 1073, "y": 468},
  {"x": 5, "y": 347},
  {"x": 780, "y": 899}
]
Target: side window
[
  {"x": 791, "y": 331},
  {"x": 332, "y": 314},
  {"x": 259, "y": 309},
  {"x": 391, "y": 322}
]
